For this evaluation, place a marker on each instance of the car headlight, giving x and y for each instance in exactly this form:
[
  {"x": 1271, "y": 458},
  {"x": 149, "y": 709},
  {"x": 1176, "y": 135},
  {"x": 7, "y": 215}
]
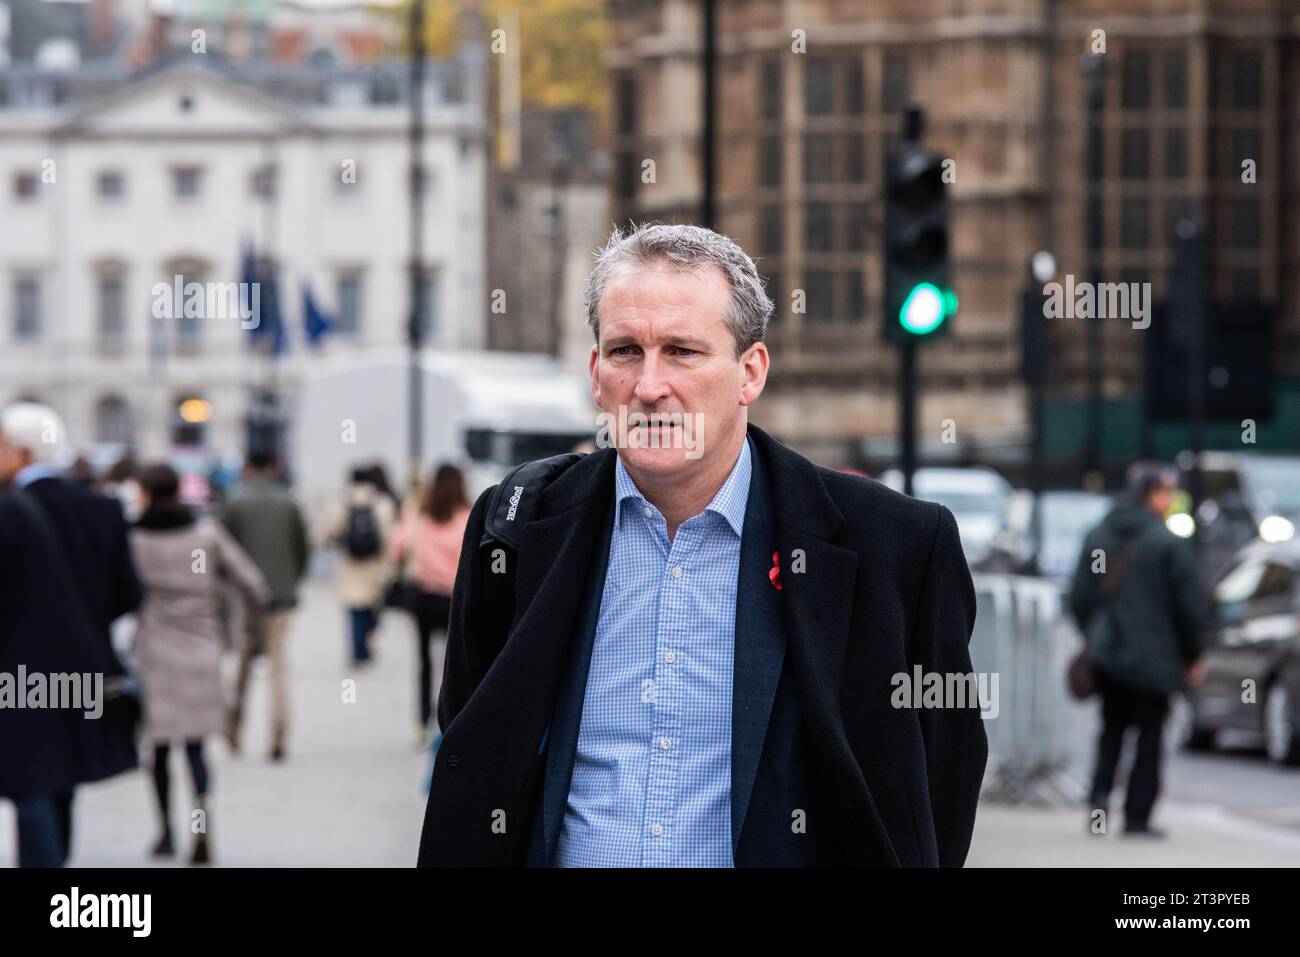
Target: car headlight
[{"x": 1275, "y": 529}]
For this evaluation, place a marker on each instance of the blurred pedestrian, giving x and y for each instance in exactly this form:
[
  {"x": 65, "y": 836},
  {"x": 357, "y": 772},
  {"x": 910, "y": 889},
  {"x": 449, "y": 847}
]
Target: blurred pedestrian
[
  {"x": 181, "y": 635},
  {"x": 1141, "y": 605},
  {"x": 428, "y": 539},
  {"x": 119, "y": 483},
  {"x": 90, "y": 533},
  {"x": 360, "y": 526},
  {"x": 266, "y": 522}
]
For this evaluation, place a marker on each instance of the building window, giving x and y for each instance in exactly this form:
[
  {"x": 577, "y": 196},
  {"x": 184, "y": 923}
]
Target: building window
[
  {"x": 187, "y": 182},
  {"x": 771, "y": 230},
  {"x": 625, "y": 104},
  {"x": 112, "y": 316},
  {"x": 1175, "y": 154},
  {"x": 1243, "y": 224},
  {"x": 1176, "y": 80},
  {"x": 262, "y": 183},
  {"x": 113, "y": 421},
  {"x": 25, "y": 185},
  {"x": 854, "y": 296},
  {"x": 110, "y": 185},
  {"x": 855, "y": 169},
  {"x": 1095, "y": 227},
  {"x": 769, "y": 90},
  {"x": 1244, "y": 284},
  {"x": 1135, "y": 152},
  {"x": 818, "y": 86},
  {"x": 27, "y": 308},
  {"x": 818, "y": 158},
  {"x": 855, "y": 237},
  {"x": 769, "y": 161},
  {"x": 1135, "y": 81},
  {"x": 819, "y": 288},
  {"x": 855, "y": 92},
  {"x": 895, "y": 83},
  {"x": 818, "y": 231},
  {"x": 348, "y": 296},
  {"x": 346, "y": 179},
  {"x": 1135, "y": 224},
  {"x": 1246, "y": 80},
  {"x": 1245, "y": 145},
  {"x": 627, "y": 172}
]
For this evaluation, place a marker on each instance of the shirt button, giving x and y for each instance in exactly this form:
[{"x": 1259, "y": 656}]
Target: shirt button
[
  {"x": 664, "y": 744},
  {"x": 670, "y": 657},
  {"x": 648, "y": 513},
  {"x": 657, "y": 830},
  {"x": 677, "y": 572}
]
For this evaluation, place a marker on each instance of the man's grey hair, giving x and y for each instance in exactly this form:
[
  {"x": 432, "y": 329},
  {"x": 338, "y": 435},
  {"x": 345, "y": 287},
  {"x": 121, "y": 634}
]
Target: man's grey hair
[
  {"x": 36, "y": 429},
  {"x": 689, "y": 247}
]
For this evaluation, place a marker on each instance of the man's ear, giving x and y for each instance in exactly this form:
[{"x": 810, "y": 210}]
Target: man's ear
[
  {"x": 754, "y": 365},
  {"x": 595, "y": 377}
]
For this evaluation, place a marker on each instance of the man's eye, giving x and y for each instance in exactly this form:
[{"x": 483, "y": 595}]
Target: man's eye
[
  {"x": 620, "y": 350},
  {"x": 683, "y": 351}
]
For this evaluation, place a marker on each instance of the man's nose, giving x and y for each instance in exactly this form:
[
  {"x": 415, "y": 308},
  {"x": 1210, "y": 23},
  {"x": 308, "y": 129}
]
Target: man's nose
[{"x": 652, "y": 384}]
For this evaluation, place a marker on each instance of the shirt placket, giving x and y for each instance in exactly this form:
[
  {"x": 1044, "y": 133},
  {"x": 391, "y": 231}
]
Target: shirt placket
[{"x": 661, "y": 787}]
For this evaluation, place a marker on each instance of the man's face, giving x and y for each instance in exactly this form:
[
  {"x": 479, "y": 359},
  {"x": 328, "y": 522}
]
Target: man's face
[
  {"x": 1162, "y": 498},
  {"x": 12, "y": 460},
  {"x": 665, "y": 347}
]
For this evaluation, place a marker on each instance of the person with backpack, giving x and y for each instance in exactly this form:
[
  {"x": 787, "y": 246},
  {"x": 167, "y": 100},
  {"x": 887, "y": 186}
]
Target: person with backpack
[
  {"x": 360, "y": 527},
  {"x": 1139, "y": 601}
]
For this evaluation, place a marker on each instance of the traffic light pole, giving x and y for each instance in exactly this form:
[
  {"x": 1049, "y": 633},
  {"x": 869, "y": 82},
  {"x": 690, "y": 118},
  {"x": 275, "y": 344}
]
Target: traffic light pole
[{"x": 907, "y": 412}]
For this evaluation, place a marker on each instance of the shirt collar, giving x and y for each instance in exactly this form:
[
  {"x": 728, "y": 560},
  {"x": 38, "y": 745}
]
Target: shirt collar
[
  {"x": 729, "y": 502},
  {"x": 34, "y": 473}
]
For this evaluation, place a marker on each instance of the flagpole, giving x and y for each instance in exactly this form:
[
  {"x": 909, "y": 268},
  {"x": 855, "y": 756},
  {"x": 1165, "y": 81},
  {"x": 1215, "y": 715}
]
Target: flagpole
[{"x": 415, "y": 410}]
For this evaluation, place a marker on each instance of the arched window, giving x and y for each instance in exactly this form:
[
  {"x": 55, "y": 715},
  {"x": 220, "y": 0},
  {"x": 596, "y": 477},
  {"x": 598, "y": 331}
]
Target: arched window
[
  {"x": 113, "y": 420},
  {"x": 186, "y": 331}
]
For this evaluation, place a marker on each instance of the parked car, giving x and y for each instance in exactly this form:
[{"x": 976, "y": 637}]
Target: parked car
[
  {"x": 979, "y": 499},
  {"x": 1252, "y": 679}
]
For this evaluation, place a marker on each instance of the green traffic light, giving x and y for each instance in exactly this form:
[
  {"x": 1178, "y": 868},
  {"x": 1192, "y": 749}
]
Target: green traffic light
[{"x": 925, "y": 308}]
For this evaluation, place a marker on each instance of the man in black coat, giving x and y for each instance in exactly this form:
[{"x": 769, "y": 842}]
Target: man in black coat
[
  {"x": 90, "y": 535},
  {"x": 791, "y": 747},
  {"x": 1139, "y": 600}
]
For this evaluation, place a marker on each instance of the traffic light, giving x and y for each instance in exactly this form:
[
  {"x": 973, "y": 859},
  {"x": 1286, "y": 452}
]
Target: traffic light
[{"x": 919, "y": 302}]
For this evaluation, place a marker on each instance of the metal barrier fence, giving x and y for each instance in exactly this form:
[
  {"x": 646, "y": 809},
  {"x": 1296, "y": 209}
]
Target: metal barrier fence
[{"x": 1024, "y": 635}]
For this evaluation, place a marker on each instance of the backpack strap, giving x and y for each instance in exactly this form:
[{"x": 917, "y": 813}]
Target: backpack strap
[{"x": 515, "y": 500}]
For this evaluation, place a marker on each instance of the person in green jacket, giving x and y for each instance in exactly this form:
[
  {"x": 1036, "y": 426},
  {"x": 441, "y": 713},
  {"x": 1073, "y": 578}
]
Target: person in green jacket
[
  {"x": 264, "y": 519},
  {"x": 1139, "y": 601}
]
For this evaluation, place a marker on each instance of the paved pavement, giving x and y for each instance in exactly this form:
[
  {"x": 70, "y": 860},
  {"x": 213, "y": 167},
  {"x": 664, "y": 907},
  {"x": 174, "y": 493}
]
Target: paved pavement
[
  {"x": 350, "y": 794},
  {"x": 352, "y": 790}
]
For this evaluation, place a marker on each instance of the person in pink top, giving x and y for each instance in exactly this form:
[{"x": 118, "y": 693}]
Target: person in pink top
[{"x": 426, "y": 546}]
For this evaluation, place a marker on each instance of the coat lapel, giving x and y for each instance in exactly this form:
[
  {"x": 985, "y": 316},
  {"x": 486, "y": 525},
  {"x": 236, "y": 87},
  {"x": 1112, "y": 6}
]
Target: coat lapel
[
  {"x": 817, "y": 594},
  {"x": 759, "y": 646}
]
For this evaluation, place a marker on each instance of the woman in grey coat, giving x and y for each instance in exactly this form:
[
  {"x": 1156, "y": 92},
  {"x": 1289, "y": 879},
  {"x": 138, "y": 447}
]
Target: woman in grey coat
[{"x": 184, "y": 564}]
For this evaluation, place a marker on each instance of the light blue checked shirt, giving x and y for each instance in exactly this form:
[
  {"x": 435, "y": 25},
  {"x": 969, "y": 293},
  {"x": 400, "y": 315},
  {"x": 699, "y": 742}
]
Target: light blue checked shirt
[{"x": 652, "y": 773}]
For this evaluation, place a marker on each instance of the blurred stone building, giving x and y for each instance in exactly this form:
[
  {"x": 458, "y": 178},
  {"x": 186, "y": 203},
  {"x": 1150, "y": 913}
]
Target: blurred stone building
[{"x": 809, "y": 92}]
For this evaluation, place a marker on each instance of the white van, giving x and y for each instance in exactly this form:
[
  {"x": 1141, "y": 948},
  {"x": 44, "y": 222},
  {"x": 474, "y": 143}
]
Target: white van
[{"x": 484, "y": 411}]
